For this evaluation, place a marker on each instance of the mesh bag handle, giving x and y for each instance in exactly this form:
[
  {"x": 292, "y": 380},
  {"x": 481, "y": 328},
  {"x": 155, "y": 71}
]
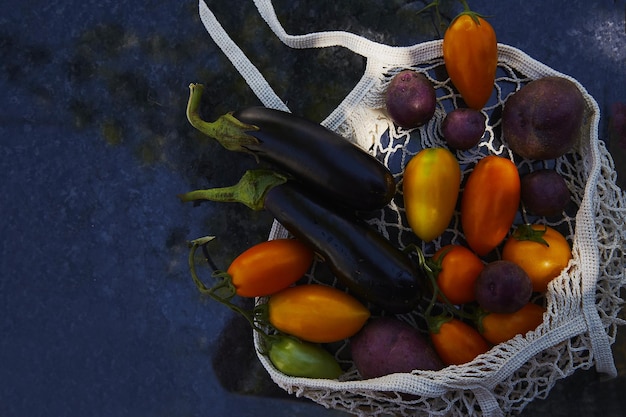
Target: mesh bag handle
[
  {"x": 372, "y": 51},
  {"x": 581, "y": 321},
  {"x": 240, "y": 61}
]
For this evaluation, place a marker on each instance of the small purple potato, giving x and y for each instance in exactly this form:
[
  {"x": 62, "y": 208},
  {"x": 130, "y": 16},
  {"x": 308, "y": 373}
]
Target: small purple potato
[
  {"x": 543, "y": 119},
  {"x": 544, "y": 192},
  {"x": 387, "y": 345},
  {"x": 503, "y": 287},
  {"x": 410, "y": 99},
  {"x": 463, "y": 128}
]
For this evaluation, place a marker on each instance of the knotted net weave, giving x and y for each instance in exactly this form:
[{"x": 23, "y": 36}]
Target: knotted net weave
[{"x": 582, "y": 303}]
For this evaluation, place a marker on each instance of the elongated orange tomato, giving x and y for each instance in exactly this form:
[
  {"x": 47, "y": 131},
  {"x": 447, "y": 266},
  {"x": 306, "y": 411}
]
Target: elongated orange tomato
[
  {"x": 470, "y": 54},
  {"x": 498, "y": 328},
  {"x": 316, "y": 313},
  {"x": 489, "y": 203},
  {"x": 269, "y": 267},
  {"x": 456, "y": 342},
  {"x": 431, "y": 184}
]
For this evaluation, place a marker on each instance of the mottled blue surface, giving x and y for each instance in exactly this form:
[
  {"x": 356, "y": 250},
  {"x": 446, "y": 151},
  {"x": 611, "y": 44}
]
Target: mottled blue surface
[{"x": 98, "y": 315}]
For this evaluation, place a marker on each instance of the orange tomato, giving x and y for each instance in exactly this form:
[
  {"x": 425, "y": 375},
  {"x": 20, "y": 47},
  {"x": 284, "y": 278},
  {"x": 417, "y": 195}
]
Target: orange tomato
[
  {"x": 457, "y": 269},
  {"x": 269, "y": 266},
  {"x": 316, "y": 313},
  {"x": 470, "y": 54},
  {"x": 489, "y": 203},
  {"x": 499, "y": 327},
  {"x": 456, "y": 342},
  {"x": 539, "y": 250}
]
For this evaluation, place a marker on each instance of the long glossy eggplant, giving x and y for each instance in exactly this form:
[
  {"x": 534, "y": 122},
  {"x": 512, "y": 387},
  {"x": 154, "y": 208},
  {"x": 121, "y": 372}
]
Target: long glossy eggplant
[
  {"x": 360, "y": 257},
  {"x": 313, "y": 154}
]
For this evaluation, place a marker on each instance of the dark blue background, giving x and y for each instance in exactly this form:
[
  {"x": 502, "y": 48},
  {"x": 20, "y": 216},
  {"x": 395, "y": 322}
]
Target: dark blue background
[{"x": 98, "y": 315}]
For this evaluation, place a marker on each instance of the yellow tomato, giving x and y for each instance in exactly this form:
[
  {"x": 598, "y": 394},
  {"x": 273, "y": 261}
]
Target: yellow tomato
[
  {"x": 316, "y": 313},
  {"x": 431, "y": 184},
  {"x": 539, "y": 250}
]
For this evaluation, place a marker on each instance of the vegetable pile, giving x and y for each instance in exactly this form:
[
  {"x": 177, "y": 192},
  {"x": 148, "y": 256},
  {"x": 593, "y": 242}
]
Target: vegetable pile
[{"x": 401, "y": 309}]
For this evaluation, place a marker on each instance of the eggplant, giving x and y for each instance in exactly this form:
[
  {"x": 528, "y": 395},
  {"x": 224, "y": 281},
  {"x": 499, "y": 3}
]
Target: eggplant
[
  {"x": 311, "y": 153},
  {"x": 360, "y": 258}
]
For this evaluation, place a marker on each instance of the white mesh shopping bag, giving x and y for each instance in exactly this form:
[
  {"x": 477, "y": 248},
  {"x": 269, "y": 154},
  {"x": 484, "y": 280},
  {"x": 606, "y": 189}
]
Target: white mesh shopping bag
[{"x": 581, "y": 321}]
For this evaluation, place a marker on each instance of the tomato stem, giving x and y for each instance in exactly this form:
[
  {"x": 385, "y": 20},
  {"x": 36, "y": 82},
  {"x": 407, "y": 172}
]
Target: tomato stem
[
  {"x": 258, "y": 317},
  {"x": 431, "y": 269},
  {"x": 467, "y": 11},
  {"x": 227, "y": 130},
  {"x": 434, "y": 323},
  {"x": 208, "y": 258},
  {"x": 527, "y": 232},
  {"x": 479, "y": 315},
  {"x": 213, "y": 292}
]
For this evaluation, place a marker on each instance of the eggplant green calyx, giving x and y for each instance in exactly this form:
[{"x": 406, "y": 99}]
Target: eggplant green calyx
[
  {"x": 250, "y": 190},
  {"x": 527, "y": 232},
  {"x": 227, "y": 130}
]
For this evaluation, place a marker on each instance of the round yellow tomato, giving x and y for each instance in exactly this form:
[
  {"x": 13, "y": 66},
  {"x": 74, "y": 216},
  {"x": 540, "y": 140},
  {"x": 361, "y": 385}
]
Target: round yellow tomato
[{"x": 539, "y": 250}]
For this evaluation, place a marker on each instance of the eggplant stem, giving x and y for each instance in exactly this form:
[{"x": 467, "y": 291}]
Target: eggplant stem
[
  {"x": 250, "y": 190},
  {"x": 227, "y": 130}
]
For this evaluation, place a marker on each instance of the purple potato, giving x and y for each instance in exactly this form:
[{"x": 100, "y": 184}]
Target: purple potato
[
  {"x": 463, "y": 128},
  {"x": 544, "y": 192},
  {"x": 410, "y": 99},
  {"x": 544, "y": 118},
  {"x": 387, "y": 345},
  {"x": 503, "y": 287}
]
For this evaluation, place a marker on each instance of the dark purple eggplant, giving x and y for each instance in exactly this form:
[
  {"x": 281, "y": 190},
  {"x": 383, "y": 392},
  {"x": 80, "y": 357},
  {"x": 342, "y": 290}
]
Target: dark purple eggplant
[
  {"x": 360, "y": 257},
  {"x": 308, "y": 151}
]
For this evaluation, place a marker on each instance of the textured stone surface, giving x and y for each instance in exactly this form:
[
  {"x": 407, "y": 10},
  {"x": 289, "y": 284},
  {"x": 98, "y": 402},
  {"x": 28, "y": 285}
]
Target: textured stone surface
[{"x": 98, "y": 315}]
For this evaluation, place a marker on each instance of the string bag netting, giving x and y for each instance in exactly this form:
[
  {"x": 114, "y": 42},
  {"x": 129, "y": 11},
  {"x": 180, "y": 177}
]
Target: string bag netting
[{"x": 583, "y": 302}]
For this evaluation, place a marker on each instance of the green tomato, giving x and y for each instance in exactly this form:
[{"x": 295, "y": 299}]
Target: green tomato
[{"x": 302, "y": 359}]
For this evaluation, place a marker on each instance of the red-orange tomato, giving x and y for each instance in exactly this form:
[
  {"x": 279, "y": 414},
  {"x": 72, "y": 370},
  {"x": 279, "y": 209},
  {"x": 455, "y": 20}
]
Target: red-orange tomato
[
  {"x": 456, "y": 342},
  {"x": 542, "y": 261},
  {"x": 498, "y": 328},
  {"x": 470, "y": 53},
  {"x": 316, "y": 313},
  {"x": 489, "y": 203},
  {"x": 458, "y": 268},
  {"x": 269, "y": 267}
]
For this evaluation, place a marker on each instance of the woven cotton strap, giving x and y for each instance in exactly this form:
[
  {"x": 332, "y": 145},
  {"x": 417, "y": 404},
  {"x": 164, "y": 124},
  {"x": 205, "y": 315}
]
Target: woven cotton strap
[
  {"x": 599, "y": 339},
  {"x": 372, "y": 51},
  {"x": 246, "y": 68},
  {"x": 358, "y": 44}
]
